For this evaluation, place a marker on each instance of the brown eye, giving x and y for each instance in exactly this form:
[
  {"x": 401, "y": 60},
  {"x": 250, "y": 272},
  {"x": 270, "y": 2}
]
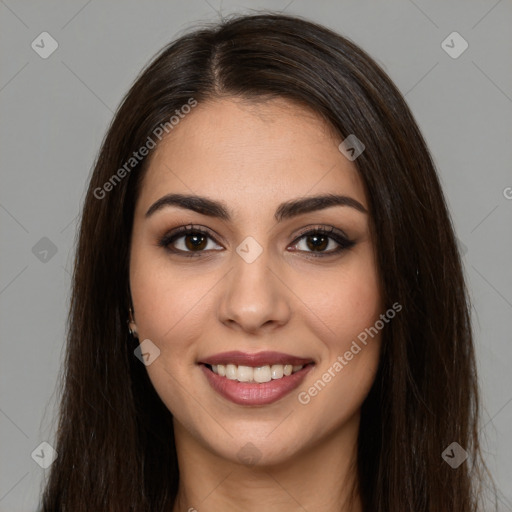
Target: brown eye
[
  {"x": 320, "y": 239},
  {"x": 317, "y": 243},
  {"x": 187, "y": 240},
  {"x": 195, "y": 241}
]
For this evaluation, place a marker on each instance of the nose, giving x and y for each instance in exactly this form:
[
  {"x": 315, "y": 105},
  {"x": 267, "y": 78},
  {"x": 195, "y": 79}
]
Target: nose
[{"x": 254, "y": 296}]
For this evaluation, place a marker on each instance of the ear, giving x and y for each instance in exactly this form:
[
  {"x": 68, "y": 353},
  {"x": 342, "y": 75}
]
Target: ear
[{"x": 132, "y": 326}]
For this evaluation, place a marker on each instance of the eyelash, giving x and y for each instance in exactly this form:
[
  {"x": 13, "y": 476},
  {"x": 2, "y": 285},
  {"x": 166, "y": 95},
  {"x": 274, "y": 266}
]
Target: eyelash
[{"x": 331, "y": 232}]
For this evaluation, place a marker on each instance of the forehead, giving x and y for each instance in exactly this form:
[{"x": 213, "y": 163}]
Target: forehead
[{"x": 250, "y": 154}]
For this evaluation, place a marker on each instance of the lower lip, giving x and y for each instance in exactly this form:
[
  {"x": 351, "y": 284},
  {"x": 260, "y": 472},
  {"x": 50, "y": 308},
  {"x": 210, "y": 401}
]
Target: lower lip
[{"x": 249, "y": 393}]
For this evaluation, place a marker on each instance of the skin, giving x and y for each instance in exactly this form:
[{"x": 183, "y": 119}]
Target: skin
[{"x": 254, "y": 156}]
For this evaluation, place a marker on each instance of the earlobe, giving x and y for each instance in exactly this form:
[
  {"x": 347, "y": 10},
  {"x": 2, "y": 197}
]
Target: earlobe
[{"x": 132, "y": 327}]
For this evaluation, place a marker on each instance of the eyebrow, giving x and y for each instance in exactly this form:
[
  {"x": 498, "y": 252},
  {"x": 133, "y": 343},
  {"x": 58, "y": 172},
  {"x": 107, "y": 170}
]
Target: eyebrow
[{"x": 286, "y": 210}]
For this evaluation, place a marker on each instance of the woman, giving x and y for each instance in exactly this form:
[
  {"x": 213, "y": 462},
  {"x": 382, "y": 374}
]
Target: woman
[{"x": 268, "y": 306}]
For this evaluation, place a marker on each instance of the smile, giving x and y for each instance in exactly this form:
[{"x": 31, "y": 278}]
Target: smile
[{"x": 252, "y": 392}]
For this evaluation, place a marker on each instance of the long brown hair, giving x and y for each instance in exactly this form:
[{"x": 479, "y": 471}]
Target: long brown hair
[{"x": 115, "y": 437}]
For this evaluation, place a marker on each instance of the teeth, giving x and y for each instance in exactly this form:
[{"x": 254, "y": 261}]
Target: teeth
[
  {"x": 258, "y": 374},
  {"x": 231, "y": 371},
  {"x": 262, "y": 374},
  {"x": 276, "y": 371},
  {"x": 244, "y": 374}
]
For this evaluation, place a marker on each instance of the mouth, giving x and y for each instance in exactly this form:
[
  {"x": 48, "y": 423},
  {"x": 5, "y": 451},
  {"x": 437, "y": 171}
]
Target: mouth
[{"x": 255, "y": 379}]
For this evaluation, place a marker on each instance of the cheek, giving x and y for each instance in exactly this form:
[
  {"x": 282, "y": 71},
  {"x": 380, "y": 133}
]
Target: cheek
[
  {"x": 343, "y": 313},
  {"x": 339, "y": 385},
  {"x": 163, "y": 297},
  {"x": 340, "y": 305},
  {"x": 167, "y": 307}
]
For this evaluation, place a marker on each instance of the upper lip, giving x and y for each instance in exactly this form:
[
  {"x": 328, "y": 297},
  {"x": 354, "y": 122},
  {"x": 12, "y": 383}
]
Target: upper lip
[{"x": 255, "y": 359}]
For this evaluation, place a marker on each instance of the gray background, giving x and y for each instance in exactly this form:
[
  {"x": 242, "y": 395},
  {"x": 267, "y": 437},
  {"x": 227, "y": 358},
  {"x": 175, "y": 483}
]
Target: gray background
[{"x": 55, "y": 112}]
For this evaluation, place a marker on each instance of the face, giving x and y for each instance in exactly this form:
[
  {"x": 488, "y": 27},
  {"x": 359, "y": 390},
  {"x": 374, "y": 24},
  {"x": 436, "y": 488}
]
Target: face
[{"x": 280, "y": 285}]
